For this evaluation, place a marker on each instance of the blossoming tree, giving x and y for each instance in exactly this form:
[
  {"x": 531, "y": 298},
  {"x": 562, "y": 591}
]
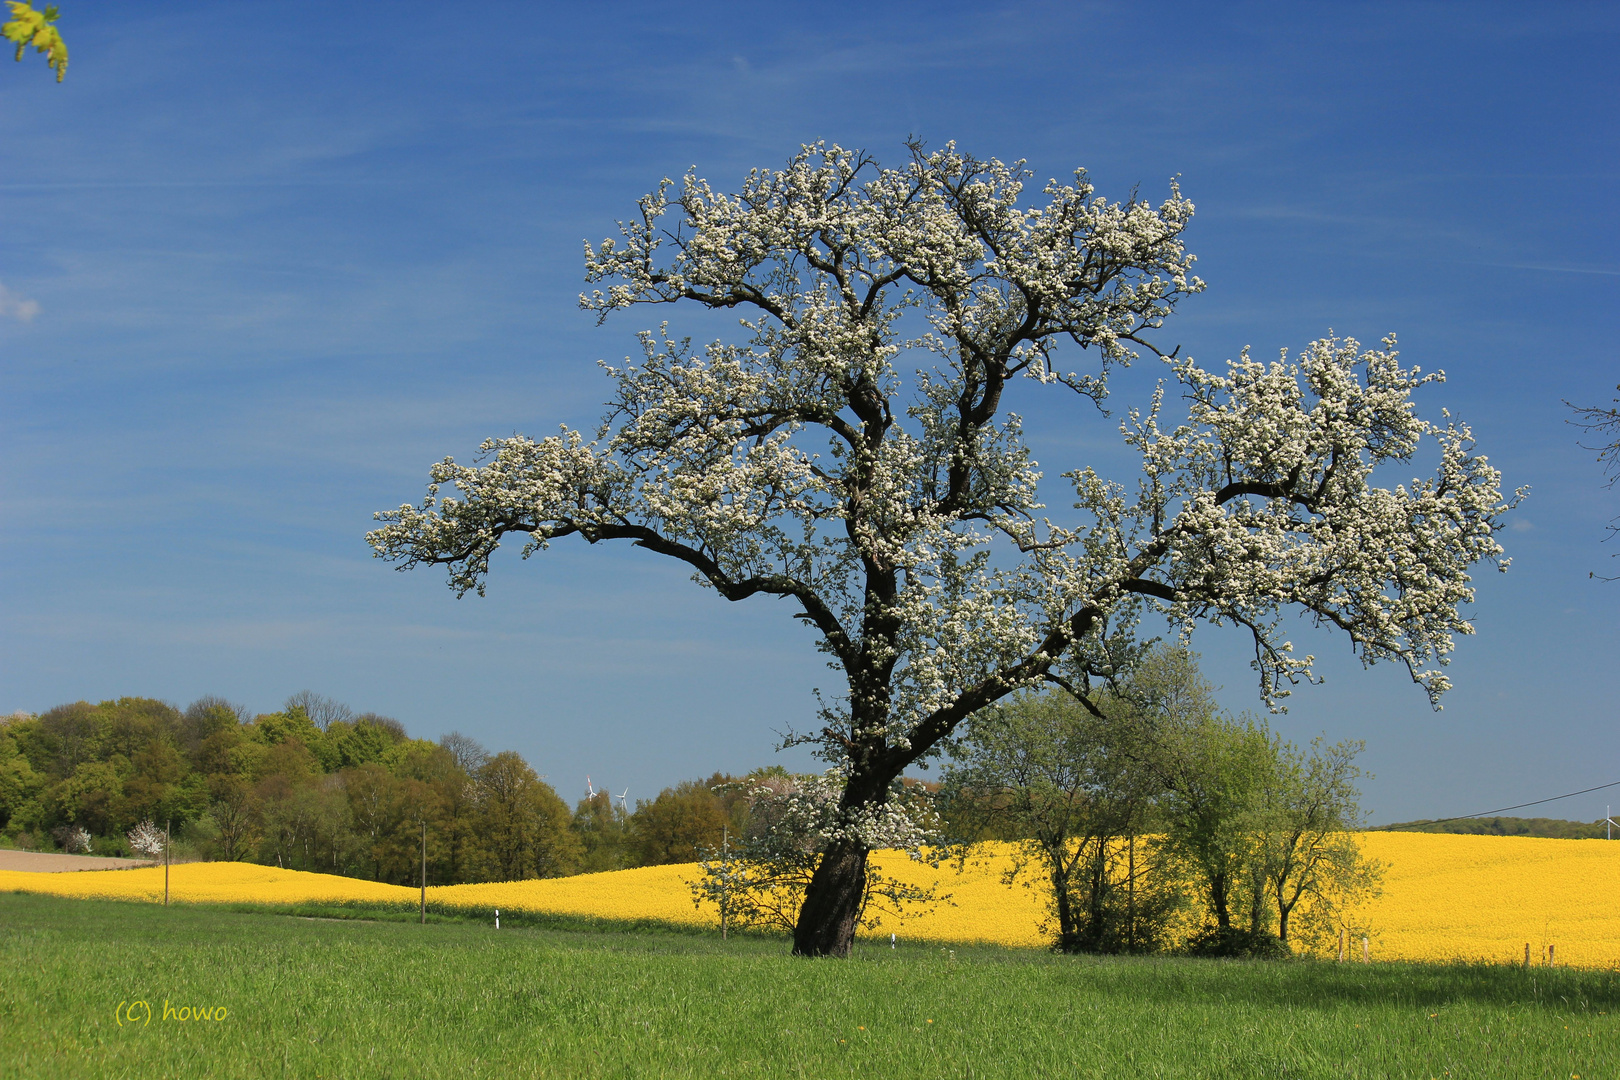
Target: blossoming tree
[
  {"x": 852, "y": 452},
  {"x": 147, "y": 839}
]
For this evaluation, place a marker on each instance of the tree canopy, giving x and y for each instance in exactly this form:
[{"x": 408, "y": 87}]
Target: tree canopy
[{"x": 854, "y": 453}]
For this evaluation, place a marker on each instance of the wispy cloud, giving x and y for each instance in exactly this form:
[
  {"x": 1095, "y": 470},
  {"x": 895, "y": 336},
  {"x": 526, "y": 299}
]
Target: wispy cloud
[
  {"x": 1551, "y": 269},
  {"x": 17, "y": 307}
]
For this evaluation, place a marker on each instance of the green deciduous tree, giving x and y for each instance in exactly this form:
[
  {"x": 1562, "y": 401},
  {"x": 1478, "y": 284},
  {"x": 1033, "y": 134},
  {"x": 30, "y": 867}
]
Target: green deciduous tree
[
  {"x": 364, "y": 740},
  {"x": 455, "y": 836},
  {"x": 522, "y": 824},
  {"x": 603, "y": 829},
  {"x": 1068, "y": 787},
  {"x": 37, "y": 28},
  {"x": 678, "y": 825},
  {"x": 20, "y": 785},
  {"x": 1265, "y": 831},
  {"x": 302, "y": 819},
  {"x": 89, "y": 798},
  {"x": 1309, "y": 859},
  {"x": 230, "y": 815}
]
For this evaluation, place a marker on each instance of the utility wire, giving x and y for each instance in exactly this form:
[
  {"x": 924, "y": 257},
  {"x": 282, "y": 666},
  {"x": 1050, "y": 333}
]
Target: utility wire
[{"x": 1488, "y": 813}]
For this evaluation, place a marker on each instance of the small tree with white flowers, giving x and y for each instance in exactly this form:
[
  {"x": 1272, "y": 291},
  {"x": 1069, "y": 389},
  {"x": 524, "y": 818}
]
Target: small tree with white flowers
[
  {"x": 146, "y": 839},
  {"x": 759, "y": 879},
  {"x": 852, "y": 453}
]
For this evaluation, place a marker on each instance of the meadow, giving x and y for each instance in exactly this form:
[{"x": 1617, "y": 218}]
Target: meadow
[
  {"x": 1445, "y": 897},
  {"x": 288, "y": 996}
]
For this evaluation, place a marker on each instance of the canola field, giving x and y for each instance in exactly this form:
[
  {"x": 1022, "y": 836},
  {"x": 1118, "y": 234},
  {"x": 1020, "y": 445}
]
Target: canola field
[{"x": 1445, "y": 897}]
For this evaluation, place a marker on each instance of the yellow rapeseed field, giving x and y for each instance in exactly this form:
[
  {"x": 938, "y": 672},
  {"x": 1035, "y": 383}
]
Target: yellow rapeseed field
[
  {"x": 649, "y": 892},
  {"x": 1486, "y": 897},
  {"x": 209, "y": 883},
  {"x": 1444, "y": 897}
]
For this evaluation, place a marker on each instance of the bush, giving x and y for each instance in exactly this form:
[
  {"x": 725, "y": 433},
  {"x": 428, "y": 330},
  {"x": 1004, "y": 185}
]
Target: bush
[
  {"x": 1233, "y": 942},
  {"x": 73, "y": 839}
]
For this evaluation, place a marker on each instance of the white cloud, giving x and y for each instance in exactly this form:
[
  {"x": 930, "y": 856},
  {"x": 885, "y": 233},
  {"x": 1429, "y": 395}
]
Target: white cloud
[
  {"x": 1555, "y": 269},
  {"x": 13, "y": 306}
]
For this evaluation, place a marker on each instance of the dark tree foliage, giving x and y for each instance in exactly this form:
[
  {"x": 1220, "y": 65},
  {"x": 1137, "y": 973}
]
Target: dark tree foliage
[
  {"x": 1066, "y": 786},
  {"x": 1154, "y": 796},
  {"x": 343, "y": 793},
  {"x": 680, "y": 824}
]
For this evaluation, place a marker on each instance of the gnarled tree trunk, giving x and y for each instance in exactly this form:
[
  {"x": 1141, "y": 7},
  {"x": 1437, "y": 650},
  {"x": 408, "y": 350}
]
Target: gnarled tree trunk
[{"x": 833, "y": 902}]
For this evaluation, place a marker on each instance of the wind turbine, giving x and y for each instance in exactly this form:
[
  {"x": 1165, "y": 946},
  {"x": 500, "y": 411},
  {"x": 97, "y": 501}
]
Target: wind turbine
[
  {"x": 590, "y": 792},
  {"x": 624, "y": 801},
  {"x": 1609, "y": 821}
]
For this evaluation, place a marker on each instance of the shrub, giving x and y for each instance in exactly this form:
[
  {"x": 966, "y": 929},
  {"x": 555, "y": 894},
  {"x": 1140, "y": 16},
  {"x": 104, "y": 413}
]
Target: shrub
[{"x": 1234, "y": 942}]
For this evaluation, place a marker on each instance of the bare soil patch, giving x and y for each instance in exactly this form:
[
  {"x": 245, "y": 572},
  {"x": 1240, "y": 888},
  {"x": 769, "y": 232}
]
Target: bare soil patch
[{"x": 41, "y": 862}]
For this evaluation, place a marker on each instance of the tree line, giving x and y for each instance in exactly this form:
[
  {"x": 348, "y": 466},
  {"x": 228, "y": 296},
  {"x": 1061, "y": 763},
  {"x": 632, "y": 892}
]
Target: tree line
[
  {"x": 1546, "y": 828},
  {"x": 316, "y": 787}
]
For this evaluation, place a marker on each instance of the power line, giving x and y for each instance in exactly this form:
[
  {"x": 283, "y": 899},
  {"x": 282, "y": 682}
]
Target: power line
[{"x": 1487, "y": 813}]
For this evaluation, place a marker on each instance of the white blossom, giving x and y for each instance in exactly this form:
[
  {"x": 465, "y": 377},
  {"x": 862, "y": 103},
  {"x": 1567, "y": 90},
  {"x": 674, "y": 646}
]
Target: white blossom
[
  {"x": 146, "y": 839},
  {"x": 850, "y": 451},
  {"x": 75, "y": 839},
  {"x": 759, "y": 878}
]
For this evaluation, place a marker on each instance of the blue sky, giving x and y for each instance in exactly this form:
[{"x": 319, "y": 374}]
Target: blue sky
[{"x": 281, "y": 265}]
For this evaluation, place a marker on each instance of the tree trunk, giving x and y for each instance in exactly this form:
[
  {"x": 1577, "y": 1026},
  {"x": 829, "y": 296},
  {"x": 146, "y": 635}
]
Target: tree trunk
[
  {"x": 836, "y": 895},
  {"x": 1218, "y": 883},
  {"x": 1257, "y": 910},
  {"x": 832, "y": 903},
  {"x": 1130, "y": 897},
  {"x": 1068, "y": 932}
]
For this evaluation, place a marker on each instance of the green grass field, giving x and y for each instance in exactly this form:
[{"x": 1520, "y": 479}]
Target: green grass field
[{"x": 320, "y": 998}]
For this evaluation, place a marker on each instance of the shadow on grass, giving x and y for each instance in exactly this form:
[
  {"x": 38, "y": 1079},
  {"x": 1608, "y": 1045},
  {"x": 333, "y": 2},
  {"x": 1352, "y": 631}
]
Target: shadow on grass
[
  {"x": 1298, "y": 984},
  {"x": 1322, "y": 984}
]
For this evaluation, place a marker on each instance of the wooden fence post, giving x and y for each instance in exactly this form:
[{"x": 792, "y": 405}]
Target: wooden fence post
[
  {"x": 1527, "y": 955},
  {"x": 1366, "y": 952},
  {"x": 1341, "y": 945},
  {"x": 424, "y": 871},
  {"x": 166, "y": 827}
]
